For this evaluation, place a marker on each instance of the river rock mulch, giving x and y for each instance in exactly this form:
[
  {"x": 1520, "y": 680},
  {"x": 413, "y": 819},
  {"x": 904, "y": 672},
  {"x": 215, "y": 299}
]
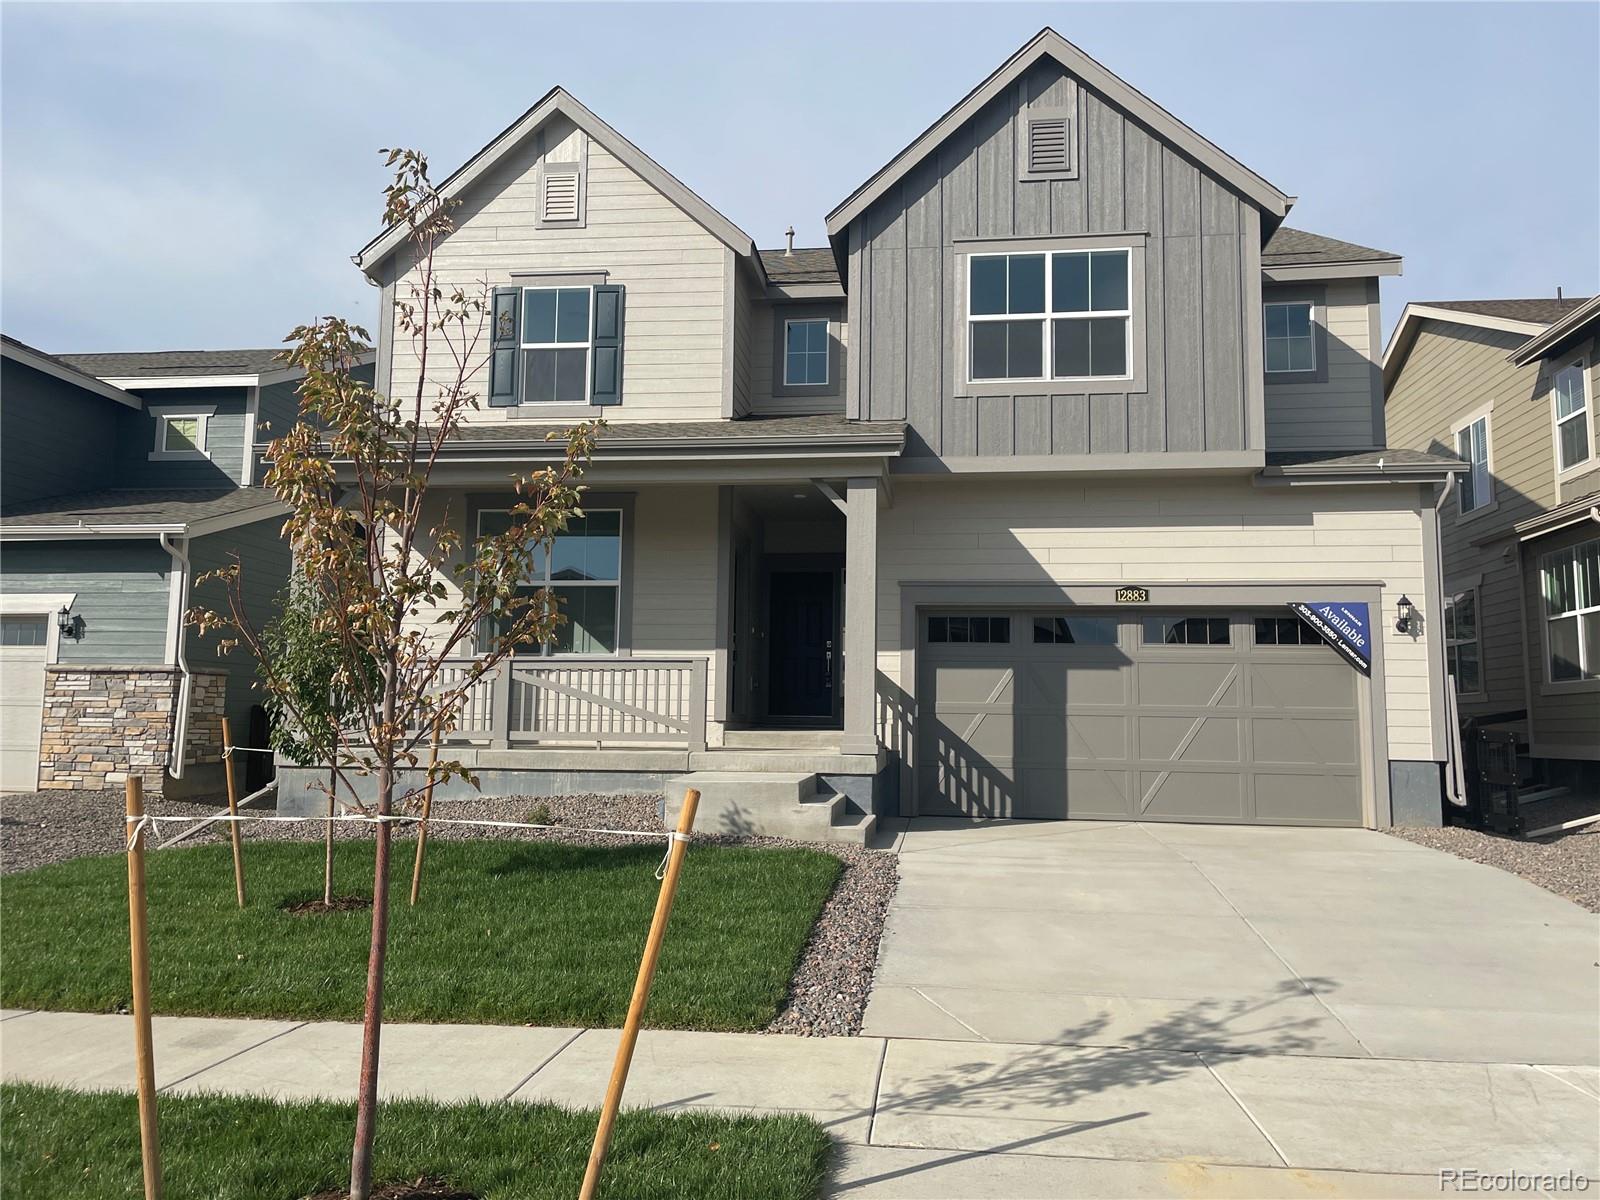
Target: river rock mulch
[
  {"x": 1567, "y": 864},
  {"x": 831, "y": 983}
]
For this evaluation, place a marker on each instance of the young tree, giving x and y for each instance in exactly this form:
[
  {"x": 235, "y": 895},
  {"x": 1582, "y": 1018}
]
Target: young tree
[{"x": 395, "y": 588}]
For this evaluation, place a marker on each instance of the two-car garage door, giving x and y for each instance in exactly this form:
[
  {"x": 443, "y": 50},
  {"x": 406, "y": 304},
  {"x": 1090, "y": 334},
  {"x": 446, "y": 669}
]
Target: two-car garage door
[{"x": 1243, "y": 717}]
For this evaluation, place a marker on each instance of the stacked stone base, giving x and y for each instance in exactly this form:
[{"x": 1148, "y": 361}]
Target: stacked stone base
[{"x": 105, "y": 723}]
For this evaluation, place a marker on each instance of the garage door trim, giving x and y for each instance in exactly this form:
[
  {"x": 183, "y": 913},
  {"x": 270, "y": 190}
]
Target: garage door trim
[
  {"x": 47, "y": 605},
  {"x": 1373, "y": 725}
]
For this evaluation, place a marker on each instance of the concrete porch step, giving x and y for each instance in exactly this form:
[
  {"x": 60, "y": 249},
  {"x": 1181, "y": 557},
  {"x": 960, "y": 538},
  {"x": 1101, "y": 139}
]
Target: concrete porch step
[
  {"x": 818, "y": 761},
  {"x": 769, "y": 804},
  {"x": 782, "y": 739}
]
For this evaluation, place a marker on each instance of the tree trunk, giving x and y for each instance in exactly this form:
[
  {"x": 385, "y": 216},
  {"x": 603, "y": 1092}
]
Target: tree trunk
[{"x": 327, "y": 851}]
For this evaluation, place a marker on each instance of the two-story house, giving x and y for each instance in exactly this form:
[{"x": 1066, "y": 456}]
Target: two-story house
[
  {"x": 1509, "y": 386},
  {"x": 999, "y": 504},
  {"x": 123, "y": 478}
]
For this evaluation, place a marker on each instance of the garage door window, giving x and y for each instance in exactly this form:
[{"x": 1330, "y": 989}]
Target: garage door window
[
  {"x": 960, "y": 630},
  {"x": 1285, "y": 631},
  {"x": 1075, "y": 631},
  {"x": 23, "y": 631},
  {"x": 1186, "y": 631}
]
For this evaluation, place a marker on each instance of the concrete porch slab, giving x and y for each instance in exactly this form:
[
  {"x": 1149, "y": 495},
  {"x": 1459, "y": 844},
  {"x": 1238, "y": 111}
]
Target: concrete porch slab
[{"x": 1058, "y": 1100}]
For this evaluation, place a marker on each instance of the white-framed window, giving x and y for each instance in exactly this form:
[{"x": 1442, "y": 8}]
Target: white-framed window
[
  {"x": 1463, "y": 655},
  {"x": 181, "y": 432},
  {"x": 805, "y": 352},
  {"x": 1058, "y": 315},
  {"x": 1476, "y": 487},
  {"x": 583, "y": 567},
  {"x": 1291, "y": 342},
  {"x": 557, "y": 335},
  {"x": 1574, "y": 445},
  {"x": 1570, "y": 580}
]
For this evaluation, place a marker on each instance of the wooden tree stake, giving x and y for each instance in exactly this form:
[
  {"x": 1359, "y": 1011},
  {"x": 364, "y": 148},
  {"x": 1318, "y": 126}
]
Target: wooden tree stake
[
  {"x": 427, "y": 811},
  {"x": 233, "y": 810},
  {"x": 641, "y": 993},
  {"x": 139, "y": 942}
]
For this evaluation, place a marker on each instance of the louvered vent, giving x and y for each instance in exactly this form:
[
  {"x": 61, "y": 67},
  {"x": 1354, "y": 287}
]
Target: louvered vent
[
  {"x": 560, "y": 197},
  {"x": 1047, "y": 145}
]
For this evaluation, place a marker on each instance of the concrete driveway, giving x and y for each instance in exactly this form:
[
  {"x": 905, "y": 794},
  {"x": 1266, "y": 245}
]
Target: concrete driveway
[{"x": 1257, "y": 941}]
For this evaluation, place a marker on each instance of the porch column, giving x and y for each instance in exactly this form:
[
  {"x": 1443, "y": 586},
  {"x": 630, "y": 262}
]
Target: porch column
[{"x": 861, "y": 618}]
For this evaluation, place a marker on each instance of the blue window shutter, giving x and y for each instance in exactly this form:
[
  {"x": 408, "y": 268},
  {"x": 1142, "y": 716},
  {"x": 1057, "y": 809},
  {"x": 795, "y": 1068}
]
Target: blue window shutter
[
  {"x": 606, "y": 385},
  {"x": 505, "y": 336}
]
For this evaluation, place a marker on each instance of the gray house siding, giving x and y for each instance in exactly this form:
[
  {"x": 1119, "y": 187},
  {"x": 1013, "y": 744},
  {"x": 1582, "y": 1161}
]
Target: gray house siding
[
  {"x": 266, "y": 562},
  {"x": 1200, "y": 300},
  {"x": 1341, "y": 408},
  {"x": 225, "y": 437},
  {"x": 1564, "y": 717},
  {"x": 54, "y": 438},
  {"x": 122, "y": 594}
]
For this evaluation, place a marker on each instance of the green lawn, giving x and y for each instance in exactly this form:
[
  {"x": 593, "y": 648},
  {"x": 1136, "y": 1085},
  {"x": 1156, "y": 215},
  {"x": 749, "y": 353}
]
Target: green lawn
[
  {"x": 507, "y": 932},
  {"x": 78, "y": 1146}
]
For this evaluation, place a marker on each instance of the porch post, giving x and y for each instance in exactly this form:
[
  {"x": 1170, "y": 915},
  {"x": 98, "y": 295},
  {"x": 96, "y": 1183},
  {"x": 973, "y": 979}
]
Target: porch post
[{"x": 861, "y": 618}]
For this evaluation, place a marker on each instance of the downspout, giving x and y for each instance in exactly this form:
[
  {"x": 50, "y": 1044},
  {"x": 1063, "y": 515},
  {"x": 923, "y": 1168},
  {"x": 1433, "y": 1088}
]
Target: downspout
[
  {"x": 1455, "y": 780},
  {"x": 180, "y": 722}
]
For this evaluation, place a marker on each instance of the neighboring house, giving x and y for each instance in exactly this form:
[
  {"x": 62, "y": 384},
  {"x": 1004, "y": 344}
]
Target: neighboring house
[
  {"x": 996, "y": 505},
  {"x": 124, "y": 477},
  {"x": 1509, "y": 386}
]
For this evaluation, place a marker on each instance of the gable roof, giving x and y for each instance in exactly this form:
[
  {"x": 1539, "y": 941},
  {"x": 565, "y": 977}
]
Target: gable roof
[
  {"x": 59, "y": 368},
  {"x": 1581, "y": 320},
  {"x": 559, "y": 101},
  {"x": 1527, "y": 312},
  {"x": 811, "y": 265},
  {"x": 1522, "y": 318},
  {"x": 1048, "y": 43}
]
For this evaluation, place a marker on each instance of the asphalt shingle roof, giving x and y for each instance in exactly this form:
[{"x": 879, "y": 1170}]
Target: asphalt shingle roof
[
  {"x": 167, "y": 364},
  {"x": 1287, "y": 246},
  {"x": 814, "y": 264},
  {"x": 136, "y": 506},
  {"x": 1388, "y": 457},
  {"x": 1544, "y": 311}
]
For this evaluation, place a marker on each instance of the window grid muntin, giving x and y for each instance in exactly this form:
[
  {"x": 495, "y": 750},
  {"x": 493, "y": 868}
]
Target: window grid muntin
[
  {"x": 1193, "y": 630},
  {"x": 586, "y": 345},
  {"x": 1476, "y": 487},
  {"x": 1577, "y": 416},
  {"x": 1290, "y": 340},
  {"x": 960, "y": 629},
  {"x": 1046, "y": 317},
  {"x": 546, "y": 558},
  {"x": 1459, "y": 646},
  {"x": 1284, "y": 630},
  {"x": 810, "y": 354},
  {"x": 1569, "y": 581}
]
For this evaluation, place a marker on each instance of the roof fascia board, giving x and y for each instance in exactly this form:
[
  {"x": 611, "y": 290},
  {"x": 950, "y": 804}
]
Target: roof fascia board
[
  {"x": 1297, "y": 272},
  {"x": 1542, "y": 343},
  {"x": 44, "y": 364},
  {"x": 558, "y": 100},
  {"x": 48, "y": 533},
  {"x": 1092, "y": 74},
  {"x": 805, "y": 291}
]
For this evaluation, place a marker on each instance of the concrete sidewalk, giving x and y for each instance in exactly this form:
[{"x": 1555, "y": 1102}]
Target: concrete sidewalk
[{"x": 925, "y": 1118}]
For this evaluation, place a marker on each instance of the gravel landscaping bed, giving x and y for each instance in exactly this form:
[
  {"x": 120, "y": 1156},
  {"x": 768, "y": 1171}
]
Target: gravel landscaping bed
[
  {"x": 1566, "y": 864},
  {"x": 827, "y": 996}
]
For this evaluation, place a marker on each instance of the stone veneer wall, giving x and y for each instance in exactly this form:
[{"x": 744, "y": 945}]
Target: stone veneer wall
[{"x": 103, "y": 723}]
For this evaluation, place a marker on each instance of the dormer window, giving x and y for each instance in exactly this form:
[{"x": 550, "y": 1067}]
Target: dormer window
[
  {"x": 805, "y": 353},
  {"x": 1291, "y": 344},
  {"x": 181, "y": 432}
]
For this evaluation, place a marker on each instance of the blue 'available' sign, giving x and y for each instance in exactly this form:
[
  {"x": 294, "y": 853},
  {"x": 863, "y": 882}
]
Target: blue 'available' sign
[{"x": 1344, "y": 627}]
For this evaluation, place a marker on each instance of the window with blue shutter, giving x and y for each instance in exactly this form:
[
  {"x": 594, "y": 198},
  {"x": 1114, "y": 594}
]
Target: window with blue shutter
[
  {"x": 505, "y": 336},
  {"x": 606, "y": 378}
]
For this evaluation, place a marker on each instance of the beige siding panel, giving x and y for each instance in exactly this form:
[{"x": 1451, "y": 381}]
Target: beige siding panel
[
  {"x": 1222, "y": 530},
  {"x": 675, "y": 273},
  {"x": 1336, "y": 415}
]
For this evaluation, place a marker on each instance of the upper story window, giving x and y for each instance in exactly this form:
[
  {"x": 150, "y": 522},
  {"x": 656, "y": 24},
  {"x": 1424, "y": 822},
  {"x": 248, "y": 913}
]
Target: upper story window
[
  {"x": 1291, "y": 344},
  {"x": 1571, "y": 585},
  {"x": 555, "y": 344},
  {"x": 1574, "y": 446},
  {"x": 558, "y": 342},
  {"x": 181, "y": 432},
  {"x": 805, "y": 353},
  {"x": 583, "y": 568},
  {"x": 1064, "y": 315},
  {"x": 1476, "y": 488}
]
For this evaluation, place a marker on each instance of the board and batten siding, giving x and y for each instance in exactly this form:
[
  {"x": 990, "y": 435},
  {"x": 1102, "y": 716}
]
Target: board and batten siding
[
  {"x": 677, "y": 277},
  {"x": 1221, "y": 530},
  {"x": 1344, "y": 411},
  {"x": 122, "y": 595},
  {"x": 54, "y": 438},
  {"x": 264, "y": 576},
  {"x": 1200, "y": 301},
  {"x": 1451, "y": 372}
]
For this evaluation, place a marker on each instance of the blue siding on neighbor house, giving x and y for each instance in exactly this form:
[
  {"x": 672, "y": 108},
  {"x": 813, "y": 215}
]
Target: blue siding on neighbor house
[
  {"x": 264, "y": 560},
  {"x": 54, "y": 438},
  {"x": 136, "y": 438},
  {"x": 122, "y": 595}
]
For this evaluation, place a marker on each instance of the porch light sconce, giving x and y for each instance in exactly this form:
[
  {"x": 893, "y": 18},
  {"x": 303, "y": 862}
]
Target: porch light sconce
[
  {"x": 1402, "y": 623},
  {"x": 66, "y": 623}
]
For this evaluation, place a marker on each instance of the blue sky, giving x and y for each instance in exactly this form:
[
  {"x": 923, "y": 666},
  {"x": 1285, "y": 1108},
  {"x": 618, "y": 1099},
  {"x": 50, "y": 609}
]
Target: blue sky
[{"x": 198, "y": 175}]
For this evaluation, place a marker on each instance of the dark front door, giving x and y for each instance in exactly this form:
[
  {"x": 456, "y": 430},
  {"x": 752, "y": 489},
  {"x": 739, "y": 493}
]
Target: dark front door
[{"x": 803, "y": 665}]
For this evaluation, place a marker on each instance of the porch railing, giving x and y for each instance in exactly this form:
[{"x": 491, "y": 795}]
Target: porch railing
[{"x": 533, "y": 701}]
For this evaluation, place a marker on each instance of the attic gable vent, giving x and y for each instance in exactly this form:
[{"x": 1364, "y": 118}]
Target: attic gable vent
[
  {"x": 560, "y": 194},
  {"x": 1047, "y": 145}
]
